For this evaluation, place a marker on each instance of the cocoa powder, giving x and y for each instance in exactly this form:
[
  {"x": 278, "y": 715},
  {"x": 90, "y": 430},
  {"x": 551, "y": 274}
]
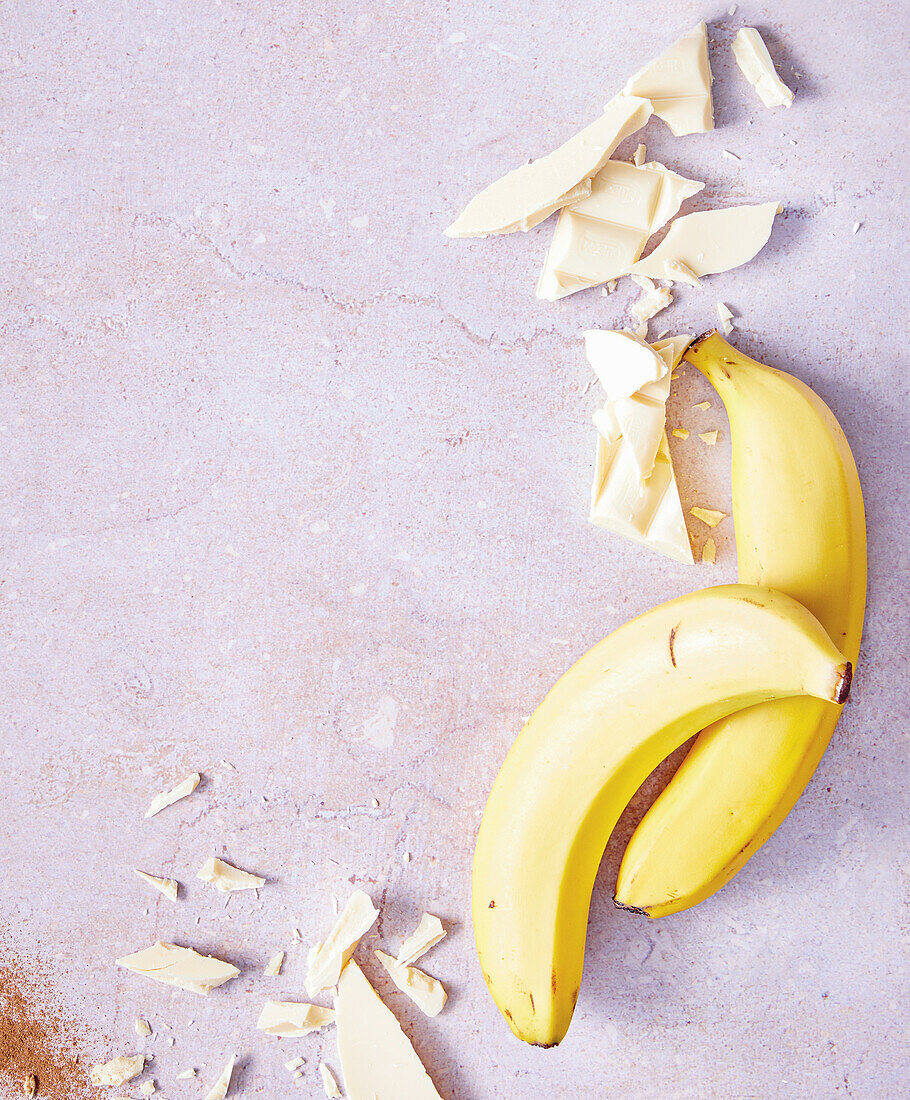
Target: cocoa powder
[{"x": 37, "y": 1039}]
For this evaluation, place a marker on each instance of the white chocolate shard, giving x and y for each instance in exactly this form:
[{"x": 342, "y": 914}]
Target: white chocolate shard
[
  {"x": 273, "y": 967},
  {"x": 329, "y": 1084},
  {"x": 168, "y": 798},
  {"x": 325, "y": 963},
  {"x": 117, "y": 1071},
  {"x": 526, "y": 196},
  {"x": 166, "y": 886},
  {"x": 377, "y": 1059},
  {"x": 712, "y": 240},
  {"x": 425, "y": 991},
  {"x": 225, "y": 877},
  {"x": 634, "y": 492},
  {"x": 180, "y": 966},
  {"x": 756, "y": 65},
  {"x": 600, "y": 237},
  {"x": 654, "y": 299},
  {"x": 622, "y": 362},
  {"x": 647, "y": 511},
  {"x": 725, "y": 316},
  {"x": 291, "y": 1019},
  {"x": 219, "y": 1090},
  {"x": 426, "y": 935},
  {"x": 678, "y": 84}
]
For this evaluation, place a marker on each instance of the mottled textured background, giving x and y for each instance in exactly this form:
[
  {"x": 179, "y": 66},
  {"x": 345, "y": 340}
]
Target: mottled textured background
[{"x": 291, "y": 481}]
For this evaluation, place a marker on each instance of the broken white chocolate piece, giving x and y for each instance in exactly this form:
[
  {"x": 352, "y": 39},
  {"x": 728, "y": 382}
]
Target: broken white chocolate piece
[
  {"x": 645, "y": 510},
  {"x": 601, "y": 236},
  {"x": 712, "y": 240},
  {"x": 291, "y": 1019},
  {"x": 148, "y": 1088},
  {"x": 180, "y": 966},
  {"x": 708, "y": 515},
  {"x": 426, "y": 992},
  {"x": 681, "y": 433},
  {"x": 756, "y": 65},
  {"x": 325, "y": 963},
  {"x": 725, "y": 315},
  {"x": 117, "y": 1071},
  {"x": 186, "y": 1074},
  {"x": 225, "y": 877},
  {"x": 219, "y": 1090},
  {"x": 678, "y": 84},
  {"x": 168, "y": 798},
  {"x": 377, "y": 1059},
  {"x": 640, "y": 155},
  {"x": 426, "y": 935},
  {"x": 678, "y": 272},
  {"x": 622, "y": 362},
  {"x": 142, "y": 1028},
  {"x": 273, "y": 967},
  {"x": 709, "y": 437},
  {"x": 524, "y": 197},
  {"x": 709, "y": 552},
  {"x": 167, "y": 886},
  {"x": 634, "y": 492},
  {"x": 654, "y": 299},
  {"x": 329, "y": 1084}
]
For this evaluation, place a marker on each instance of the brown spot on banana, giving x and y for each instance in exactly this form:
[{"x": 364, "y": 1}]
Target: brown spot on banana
[{"x": 672, "y": 640}]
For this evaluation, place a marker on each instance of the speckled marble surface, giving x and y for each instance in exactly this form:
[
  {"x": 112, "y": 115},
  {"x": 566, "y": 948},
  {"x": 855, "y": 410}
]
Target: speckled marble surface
[{"x": 293, "y": 482}]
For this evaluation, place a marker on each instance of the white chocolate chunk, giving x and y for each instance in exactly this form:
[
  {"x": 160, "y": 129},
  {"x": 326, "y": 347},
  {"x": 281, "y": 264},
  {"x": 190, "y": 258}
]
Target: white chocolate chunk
[
  {"x": 601, "y": 236},
  {"x": 712, "y": 240},
  {"x": 426, "y": 935},
  {"x": 225, "y": 877},
  {"x": 622, "y": 362},
  {"x": 647, "y": 511},
  {"x": 219, "y": 1090},
  {"x": 678, "y": 84},
  {"x": 147, "y": 1088},
  {"x": 725, "y": 316},
  {"x": 325, "y": 963},
  {"x": 377, "y": 1059},
  {"x": 273, "y": 967},
  {"x": 640, "y": 155},
  {"x": 524, "y": 197},
  {"x": 142, "y": 1028},
  {"x": 291, "y": 1019},
  {"x": 650, "y": 304},
  {"x": 294, "y": 1063},
  {"x": 167, "y": 886},
  {"x": 168, "y": 798},
  {"x": 634, "y": 492},
  {"x": 756, "y": 65},
  {"x": 426, "y": 992},
  {"x": 186, "y": 1075},
  {"x": 180, "y": 966},
  {"x": 329, "y": 1084},
  {"x": 708, "y": 515},
  {"x": 117, "y": 1071}
]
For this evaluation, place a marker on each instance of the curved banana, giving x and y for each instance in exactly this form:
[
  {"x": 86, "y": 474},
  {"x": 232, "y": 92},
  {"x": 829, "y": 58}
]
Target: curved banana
[
  {"x": 800, "y": 528},
  {"x": 627, "y": 704}
]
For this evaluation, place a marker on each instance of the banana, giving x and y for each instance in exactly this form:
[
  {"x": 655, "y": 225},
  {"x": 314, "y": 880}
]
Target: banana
[
  {"x": 622, "y": 708},
  {"x": 800, "y": 528}
]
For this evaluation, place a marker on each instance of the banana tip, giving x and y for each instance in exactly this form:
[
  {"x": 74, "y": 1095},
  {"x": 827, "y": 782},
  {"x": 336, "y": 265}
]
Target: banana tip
[{"x": 842, "y": 688}]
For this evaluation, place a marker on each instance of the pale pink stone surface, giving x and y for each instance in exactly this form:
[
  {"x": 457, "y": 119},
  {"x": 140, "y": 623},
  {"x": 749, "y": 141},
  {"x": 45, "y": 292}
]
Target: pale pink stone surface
[{"x": 308, "y": 495}]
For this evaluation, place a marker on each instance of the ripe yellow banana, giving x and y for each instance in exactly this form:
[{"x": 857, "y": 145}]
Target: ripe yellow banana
[
  {"x": 800, "y": 528},
  {"x": 627, "y": 704}
]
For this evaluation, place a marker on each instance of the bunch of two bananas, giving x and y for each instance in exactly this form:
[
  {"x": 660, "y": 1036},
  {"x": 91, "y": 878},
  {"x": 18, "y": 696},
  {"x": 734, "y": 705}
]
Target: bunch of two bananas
[{"x": 761, "y": 668}]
